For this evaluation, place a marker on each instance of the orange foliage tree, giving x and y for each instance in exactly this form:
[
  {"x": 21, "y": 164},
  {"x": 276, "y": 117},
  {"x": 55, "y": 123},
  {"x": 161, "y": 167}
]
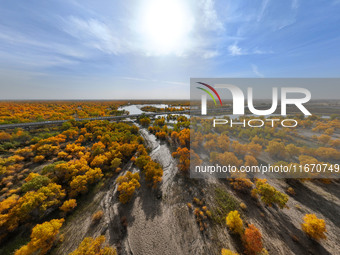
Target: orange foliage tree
[
  {"x": 239, "y": 181},
  {"x": 252, "y": 239},
  {"x": 183, "y": 154}
]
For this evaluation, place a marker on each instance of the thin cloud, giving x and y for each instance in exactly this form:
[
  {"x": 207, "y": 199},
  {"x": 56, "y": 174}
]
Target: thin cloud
[
  {"x": 261, "y": 52},
  {"x": 94, "y": 34},
  {"x": 210, "y": 54},
  {"x": 295, "y": 4},
  {"x": 210, "y": 18},
  {"x": 235, "y": 50},
  {"x": 97, "y": 34},
  {"x": 256, "y": 71},
  {"x": 263, "y": 9}
]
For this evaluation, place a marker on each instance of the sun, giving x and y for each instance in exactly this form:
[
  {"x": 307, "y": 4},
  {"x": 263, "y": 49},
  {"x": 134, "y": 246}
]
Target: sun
[{"x": 165, "y": 25}]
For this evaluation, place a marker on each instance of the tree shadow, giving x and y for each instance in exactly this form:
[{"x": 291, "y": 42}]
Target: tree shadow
[
  {"x": 333, "y": 188},
  {"x": 150, "y": 199},
  {"x": 120, "y": 218},
  {"x": 312, "y": 200},
  {"x": 279, "y": 226}
]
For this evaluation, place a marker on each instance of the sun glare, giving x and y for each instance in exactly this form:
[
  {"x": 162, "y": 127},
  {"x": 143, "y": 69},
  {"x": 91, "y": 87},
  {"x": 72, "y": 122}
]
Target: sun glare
[{"x": 165, "y": 26}]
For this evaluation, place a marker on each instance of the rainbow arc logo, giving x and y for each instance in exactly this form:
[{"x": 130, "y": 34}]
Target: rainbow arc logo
[{"x": 209, "y": 93}]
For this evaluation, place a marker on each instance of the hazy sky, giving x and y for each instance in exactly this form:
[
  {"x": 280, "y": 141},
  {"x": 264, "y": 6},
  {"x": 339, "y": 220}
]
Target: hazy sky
[{"x": 69, "y": 49}]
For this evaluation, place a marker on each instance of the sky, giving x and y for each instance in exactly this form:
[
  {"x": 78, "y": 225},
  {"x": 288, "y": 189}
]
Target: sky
[{"x": 149, "y": 49}]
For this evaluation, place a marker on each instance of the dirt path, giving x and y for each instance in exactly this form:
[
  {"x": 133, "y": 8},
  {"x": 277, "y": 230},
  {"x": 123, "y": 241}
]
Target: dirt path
[{"x": 155, "y": 224}]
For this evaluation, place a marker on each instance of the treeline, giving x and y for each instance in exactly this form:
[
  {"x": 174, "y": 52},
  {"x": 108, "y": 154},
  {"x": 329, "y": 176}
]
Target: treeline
[{"x": 18, "y": 112}]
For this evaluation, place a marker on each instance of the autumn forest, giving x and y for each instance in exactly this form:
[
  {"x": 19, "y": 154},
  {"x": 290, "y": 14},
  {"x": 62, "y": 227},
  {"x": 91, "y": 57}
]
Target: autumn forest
[{"x": 124, "y": 187}]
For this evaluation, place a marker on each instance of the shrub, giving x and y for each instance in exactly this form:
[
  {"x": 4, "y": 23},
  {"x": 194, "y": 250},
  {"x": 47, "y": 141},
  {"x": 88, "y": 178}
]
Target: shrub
[
  {"x": 242, "y": 184},
  {"x": 224, "y": 203},
  {"x": 68, "y": 205},
  {"x": 324, "y": 139},
  {"x": 291, "y": 191},
  {"x": 234, "y": 222},
  {"x": 269, "y": 195},
  {"x": 38, "y": 158},
  {"x": 97, "y": 216},
  {"x": 197, "y": 201},
  {"x": 243, "y": 206},
  {"x": 252, "y": 239},
  {"x": 264, "y": 252},
  {"x": 314, "y": 227},
  {"x": 34, "y": 182},
  {"x": 228, "y": 252}
]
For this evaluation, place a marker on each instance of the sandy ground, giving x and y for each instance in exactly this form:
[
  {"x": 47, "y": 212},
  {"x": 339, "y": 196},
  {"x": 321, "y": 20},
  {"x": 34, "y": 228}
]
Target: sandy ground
[{"x": 159, "y": 222}]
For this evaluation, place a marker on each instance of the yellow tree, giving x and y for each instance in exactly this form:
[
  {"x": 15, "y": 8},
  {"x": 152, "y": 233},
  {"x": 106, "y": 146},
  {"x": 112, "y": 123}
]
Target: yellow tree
[
  {"x": 314, "y": 227},
  {"x": 250, "y": 160},
  {"x": 268, "y": 194},
  {"x": 234, "y": 222},
  {"x": 127, "y": 184},
  {"x": 79, "y": 183},
  {"x": 42, "y": 238},
  {"x": 99, "y": 160},
  {"x": 153, "y": 172},
  {"x": 324, "y": 139},
  {"x": 276, "y": 149},
  {"x": 240, "y": 149},
  {"x": 223, "y": 142},
  {"x": 90, "y": 246},
  {"x": 68, "y": 205},
  {"x": 185, "y": 155},
  {"x": 228, "y": 252},
  {"x": 184, "y": 158},
  {"x": 254, "y": 149},
  {"x": 228, "y": 158},
  {"x": 5, "y": 206},
  {"x": 292, "y": 150},
  {"x": 41, "y": 199}
]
